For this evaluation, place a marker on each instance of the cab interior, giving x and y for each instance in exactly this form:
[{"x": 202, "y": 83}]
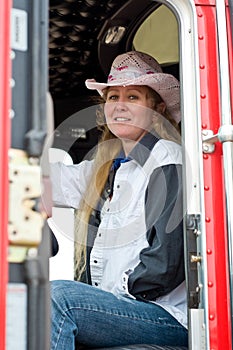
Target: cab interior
[{"x": 84, "y": 38}]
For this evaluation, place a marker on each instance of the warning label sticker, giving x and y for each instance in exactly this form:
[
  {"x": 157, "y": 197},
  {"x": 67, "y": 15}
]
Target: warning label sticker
[{"x": 19, "y": 30}]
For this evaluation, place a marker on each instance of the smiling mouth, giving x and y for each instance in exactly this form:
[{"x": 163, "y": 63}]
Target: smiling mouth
[{"x": 121, "y": 119}]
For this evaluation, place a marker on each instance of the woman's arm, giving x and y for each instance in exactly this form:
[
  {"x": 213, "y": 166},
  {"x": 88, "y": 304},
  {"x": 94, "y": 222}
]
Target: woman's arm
[
  {"x": 161, "y": 267},
  {"x": 69, "y": 183}
]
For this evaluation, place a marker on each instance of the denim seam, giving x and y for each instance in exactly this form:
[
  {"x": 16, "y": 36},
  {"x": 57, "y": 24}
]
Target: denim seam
[
  {"x": 122, "y": 315},
  {"x": 61, "y": 323}
]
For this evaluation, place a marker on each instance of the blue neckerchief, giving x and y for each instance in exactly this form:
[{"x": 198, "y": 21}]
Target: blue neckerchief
[{"x": 117, "y": 162}]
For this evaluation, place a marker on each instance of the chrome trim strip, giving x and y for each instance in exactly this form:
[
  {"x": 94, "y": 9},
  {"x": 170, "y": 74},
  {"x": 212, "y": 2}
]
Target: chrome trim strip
[
  {"x": 223, "y": 63},
  {"x": 226, "y": 121},
  {"x": 185, "y": 13}
]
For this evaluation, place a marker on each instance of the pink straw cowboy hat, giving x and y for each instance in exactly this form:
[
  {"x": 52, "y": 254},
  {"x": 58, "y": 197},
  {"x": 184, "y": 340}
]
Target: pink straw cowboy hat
[{"x": 138, "y": 68}]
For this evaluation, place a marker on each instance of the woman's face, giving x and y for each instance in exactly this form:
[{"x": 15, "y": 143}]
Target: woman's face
[{"x": 128, "y": 111}]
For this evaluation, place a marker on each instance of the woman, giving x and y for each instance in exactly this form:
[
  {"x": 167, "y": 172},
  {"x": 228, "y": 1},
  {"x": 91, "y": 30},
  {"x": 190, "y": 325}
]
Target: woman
[{"x": 129, "y": 237}]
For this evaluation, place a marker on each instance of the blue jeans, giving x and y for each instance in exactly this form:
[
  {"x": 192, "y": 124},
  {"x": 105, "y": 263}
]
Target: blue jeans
[{"x": 83, "y": 314}]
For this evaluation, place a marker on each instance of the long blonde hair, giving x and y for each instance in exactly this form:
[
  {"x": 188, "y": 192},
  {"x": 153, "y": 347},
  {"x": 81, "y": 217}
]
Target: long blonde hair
[{"x": 107, "y": 150}]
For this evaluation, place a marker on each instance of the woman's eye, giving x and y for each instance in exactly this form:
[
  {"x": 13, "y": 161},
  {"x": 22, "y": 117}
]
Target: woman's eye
[
  {"x": 116, "y": 97},
  {"x": 112, "y": 98},
  {"x": 133, "y": 97}
]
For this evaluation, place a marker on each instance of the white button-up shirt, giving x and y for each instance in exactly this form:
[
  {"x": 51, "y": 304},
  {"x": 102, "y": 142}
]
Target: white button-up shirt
[{"x": 122, "y": 233}]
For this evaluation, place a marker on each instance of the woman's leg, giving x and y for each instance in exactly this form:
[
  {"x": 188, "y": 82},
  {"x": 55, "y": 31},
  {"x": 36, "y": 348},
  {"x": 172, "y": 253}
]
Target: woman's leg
[{"x": 87, "y": 315}]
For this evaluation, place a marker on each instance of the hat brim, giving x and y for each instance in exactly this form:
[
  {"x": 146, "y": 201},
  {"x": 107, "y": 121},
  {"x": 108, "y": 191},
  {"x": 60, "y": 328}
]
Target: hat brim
[{"x": 166, "y": 85}]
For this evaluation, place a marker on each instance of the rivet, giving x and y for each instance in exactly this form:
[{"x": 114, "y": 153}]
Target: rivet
[
  {"x": 210, "y": 284},
  {"x": 204, "y": 125},
  {"x": 200, "y": 14},
  {"x": 207, "y": 219},
  {"x": 202, "y": 66},
  {"x": 206, "y": 188},
  {"x": 211, "y": 317},
  {"x": 12, "y": 82},
  {"x": 203, "y": 95},
  {"x": 209, "y": 251},
  {"x": 11, "y": 113},
  {"x": 201, "y": 37},
  {"x": 205, "y": 156},
  {"x": 12, "y": 55}
]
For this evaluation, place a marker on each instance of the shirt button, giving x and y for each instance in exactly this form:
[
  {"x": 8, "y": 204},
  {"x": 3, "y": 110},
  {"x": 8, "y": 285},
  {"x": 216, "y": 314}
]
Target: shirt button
[
  {"x": 100, "y": 234},
  {"x": 96, "y": 284},
  {"x": 118, "y": 186},
  {"x": 95, "y": 261}
]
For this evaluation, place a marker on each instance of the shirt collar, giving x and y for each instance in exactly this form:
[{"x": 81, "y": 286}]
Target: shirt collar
[{"x": 141, "y": 152}]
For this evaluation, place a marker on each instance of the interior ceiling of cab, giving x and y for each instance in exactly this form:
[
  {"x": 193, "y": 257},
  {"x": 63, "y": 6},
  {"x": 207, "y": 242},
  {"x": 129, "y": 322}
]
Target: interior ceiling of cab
[{"x": 86, "y": 35}]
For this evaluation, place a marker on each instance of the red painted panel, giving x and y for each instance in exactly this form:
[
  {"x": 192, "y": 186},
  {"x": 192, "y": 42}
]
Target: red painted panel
[
  {"x": 205, "y": 2},
  {"x": 4, "y": 146},
  {"x": 217, "y": 258},
  {"x": 230, "y": 46}
]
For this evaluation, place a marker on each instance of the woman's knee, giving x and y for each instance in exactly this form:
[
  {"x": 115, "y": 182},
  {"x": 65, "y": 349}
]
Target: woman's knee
[
  {"x": 64, "y": 290},
  {"x": 60, "y": 290},
  {"x": 58, "y": 286}
]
